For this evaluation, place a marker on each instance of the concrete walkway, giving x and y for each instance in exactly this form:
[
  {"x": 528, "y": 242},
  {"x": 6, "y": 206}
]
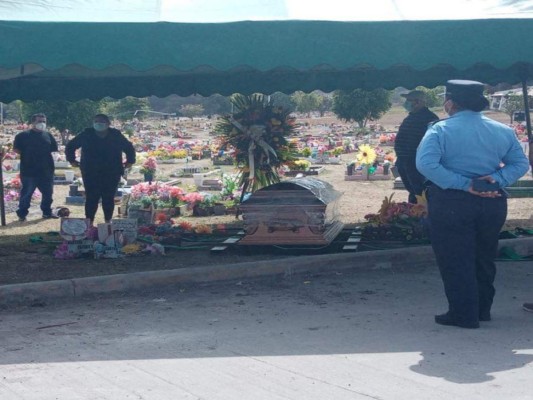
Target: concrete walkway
[{"x": 353, "y": 334}]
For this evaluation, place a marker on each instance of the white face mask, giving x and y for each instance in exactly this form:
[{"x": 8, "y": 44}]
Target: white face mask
[
  {"x": 40, "y": 126},
  {"x": 446, "y": 110},
  {"x": 100, "y": 126}
]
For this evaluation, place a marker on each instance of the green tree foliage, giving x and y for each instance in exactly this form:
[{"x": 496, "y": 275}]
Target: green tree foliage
[
  {"x": 434, "y": 96},
  {"x": 127, "y": 108},
  {"x": 67, "y": 117},
  {"x": 216, "y": 104},
  {"x": 512, "y": 104},
  {"x": 192, "y": 110},
  {"x": 326, "y": 105},
  {"x": 360, "y": 105},
  {"x": 14, "y": 111},
  {"x": 283, "y": 100},
  {"x": 307, "y": 102}
]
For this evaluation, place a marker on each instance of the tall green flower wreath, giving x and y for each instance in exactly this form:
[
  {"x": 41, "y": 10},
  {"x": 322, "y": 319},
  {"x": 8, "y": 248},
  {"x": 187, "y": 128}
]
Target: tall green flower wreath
[{"x": 258, "y": 133}]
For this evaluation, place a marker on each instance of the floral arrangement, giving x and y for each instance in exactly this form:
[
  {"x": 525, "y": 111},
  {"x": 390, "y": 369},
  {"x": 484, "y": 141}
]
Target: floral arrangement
[
  {"x": 229, "y": 186},
  {"x": 13, "y": 183},
  {"x": 159, "y": 194},
  {"x": 299, "y": 165},
  {"x": 366, "y": 155},
  {"x": 193, "y": 199},
  {"x": 6, "y": 152},
  {"x": 389, "y": 156},
  {"x": 258, "y": 132},
  {"x": 149, "y": 166},
  {"x": 337, "y": 151},
  {"x": 366, "y": 159},
  {"x": 12, "y": 192},
  {"x": 168, "y": 153},
  {"x": 396, "y": 221}
]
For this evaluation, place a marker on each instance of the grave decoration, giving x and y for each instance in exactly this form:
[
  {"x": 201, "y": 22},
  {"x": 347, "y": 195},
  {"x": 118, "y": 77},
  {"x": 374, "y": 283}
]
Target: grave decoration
[
  {"x": 296, "y": 211},
  {"x": 104, "y": 241},
  {"x": 258, "y": 133},
  {"x": 370, "y": 164},
  {"x": 301, "y": 168},
  {"x": 145, "y": 198},
  {"x": 148, "y": 169},
  {"x": 78, "y": 238},
  {"x": 397, "y": 222}
]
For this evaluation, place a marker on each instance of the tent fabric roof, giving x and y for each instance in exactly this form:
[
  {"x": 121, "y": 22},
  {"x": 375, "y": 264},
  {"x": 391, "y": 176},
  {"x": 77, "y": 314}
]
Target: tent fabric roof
[{"x": 74, "y": 60}]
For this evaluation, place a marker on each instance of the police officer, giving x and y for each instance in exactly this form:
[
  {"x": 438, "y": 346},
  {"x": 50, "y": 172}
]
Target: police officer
[{"x": 457, "y": 155}]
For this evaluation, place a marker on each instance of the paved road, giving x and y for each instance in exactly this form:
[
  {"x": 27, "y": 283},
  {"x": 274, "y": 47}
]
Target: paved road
[{"x": 355, "y": 335}]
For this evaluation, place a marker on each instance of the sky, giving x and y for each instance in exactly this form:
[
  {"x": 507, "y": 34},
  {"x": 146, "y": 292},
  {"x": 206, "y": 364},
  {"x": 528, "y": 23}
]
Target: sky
[{"x": 238, "y": 10}]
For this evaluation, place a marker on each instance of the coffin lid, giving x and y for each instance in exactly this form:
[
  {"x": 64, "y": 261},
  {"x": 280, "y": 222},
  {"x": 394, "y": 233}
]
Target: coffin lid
[{"x": 321, "y": 190}]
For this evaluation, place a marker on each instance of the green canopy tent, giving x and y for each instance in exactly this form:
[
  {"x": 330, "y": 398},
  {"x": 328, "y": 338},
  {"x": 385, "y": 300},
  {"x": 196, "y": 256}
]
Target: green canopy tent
[
  {"x": 74, "y": 60},
  {"x": 66, "y": 55}
]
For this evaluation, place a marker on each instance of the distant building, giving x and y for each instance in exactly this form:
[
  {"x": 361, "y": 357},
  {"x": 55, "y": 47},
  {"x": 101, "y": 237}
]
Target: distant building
[{"x": 498, "y": 99}]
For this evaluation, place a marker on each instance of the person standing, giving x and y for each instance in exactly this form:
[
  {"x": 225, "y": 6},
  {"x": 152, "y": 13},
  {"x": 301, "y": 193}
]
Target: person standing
[
  {"x": 35, "y": 147},
  {"x": 101, "y": 164},
  {"x": 410, "y": 133},
  {"x": 456, "y": 155}
]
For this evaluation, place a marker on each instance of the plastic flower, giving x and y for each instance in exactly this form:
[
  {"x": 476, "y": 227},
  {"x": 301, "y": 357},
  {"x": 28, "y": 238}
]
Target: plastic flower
[
  {"x": 161, "y": 218},
  {"x": 193, "y": 198},
  {"x": 366, "y": 154},
  {"x": 185, "y": 225},
  {"x": 149, "y": 166},
  {"x": 203, "y": 229},
  {"x": 131, "y": 248}
]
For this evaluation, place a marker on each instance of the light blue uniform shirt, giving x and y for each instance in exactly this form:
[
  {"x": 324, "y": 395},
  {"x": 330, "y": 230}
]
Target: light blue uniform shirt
[{"x": 469, "y": 145}]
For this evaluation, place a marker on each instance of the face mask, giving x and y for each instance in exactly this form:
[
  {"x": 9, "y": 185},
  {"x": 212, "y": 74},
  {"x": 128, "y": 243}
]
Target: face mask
[
  {"x": 446, "y": 110},
  {"x": 100, "y": 126},
  {"x": 40, "y": 126},
  {"x": 408, "y": 106}
]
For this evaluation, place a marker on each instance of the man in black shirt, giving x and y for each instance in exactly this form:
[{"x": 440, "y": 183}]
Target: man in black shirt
[
  {"x": 35, "y": 147},
  {"x": 409, "y": 135},
  {"x": 101, "y": 164}
]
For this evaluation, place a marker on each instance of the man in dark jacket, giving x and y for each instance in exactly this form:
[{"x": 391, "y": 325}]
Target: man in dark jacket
[
  {"x": 409, "y": 135},
  {"x": 101, "y": 164},
  {"x": 35, "y": 147}
]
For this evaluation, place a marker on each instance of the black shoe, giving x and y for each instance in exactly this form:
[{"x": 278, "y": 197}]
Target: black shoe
[
  {"x": 446, "y": 319},
  {"x": 22, "y": 219},
  {"x": 50, "y": 216}
]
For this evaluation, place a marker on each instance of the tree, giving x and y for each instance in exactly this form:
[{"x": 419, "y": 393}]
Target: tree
[
  {"x": 216, "y": 104},
  {"x": 326, "y": 105},
  {"x": 360, "y": 105},
  {"x": 306, "y": 102},
  {"x": 67, "y": 117},
  {"x": 512, "y": 104},
  {"x": 433, "y": 96},
  {"x": 15, "y": 111},
  {"x": 127, "y": 107},
  {"x": 283, "y": 100},
  {"x": 192, "y": 110}
]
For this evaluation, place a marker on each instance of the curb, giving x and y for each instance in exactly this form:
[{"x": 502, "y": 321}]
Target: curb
[{"x": 404, "y": 258}]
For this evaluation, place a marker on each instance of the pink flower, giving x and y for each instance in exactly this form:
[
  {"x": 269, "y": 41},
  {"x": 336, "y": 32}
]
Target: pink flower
[{"x": 193, "y": 198}]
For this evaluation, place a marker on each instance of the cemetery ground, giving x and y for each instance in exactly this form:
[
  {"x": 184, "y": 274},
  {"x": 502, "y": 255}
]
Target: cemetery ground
[{"x": 26, "y": 249}]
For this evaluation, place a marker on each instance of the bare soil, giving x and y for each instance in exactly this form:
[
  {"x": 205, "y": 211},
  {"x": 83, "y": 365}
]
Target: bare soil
[{"x": 22, "y": 260}]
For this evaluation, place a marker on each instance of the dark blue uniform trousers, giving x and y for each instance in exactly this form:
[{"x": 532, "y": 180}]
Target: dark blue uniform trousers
[{"x": 464, "y": 232}]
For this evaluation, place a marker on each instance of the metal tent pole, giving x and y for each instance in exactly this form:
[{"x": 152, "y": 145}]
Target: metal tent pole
[
  {"x": 526, "y": 108},
  {"x": 2, "y": 205}
]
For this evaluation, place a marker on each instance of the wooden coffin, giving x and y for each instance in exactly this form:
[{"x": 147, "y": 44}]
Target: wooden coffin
[{"x": 300, "y": 211}]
